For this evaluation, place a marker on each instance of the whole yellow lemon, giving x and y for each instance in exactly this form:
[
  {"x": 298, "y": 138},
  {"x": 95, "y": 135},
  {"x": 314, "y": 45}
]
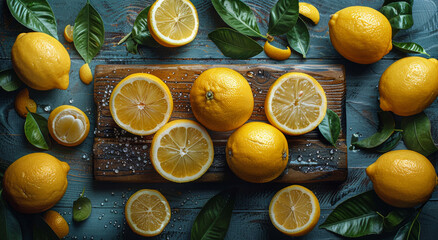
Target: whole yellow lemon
[
  {"x": 257, "y": 152},
  {"x": 409, "y": 85},
  {"x": 41, "y": 61},
  {"x": 221, "y": 99},
  {"x": 360, "y": 34},
  {"x": 35, "y": 182},
  {"x": 403, "y": 178},
  {"x": 57, "y": 223}
]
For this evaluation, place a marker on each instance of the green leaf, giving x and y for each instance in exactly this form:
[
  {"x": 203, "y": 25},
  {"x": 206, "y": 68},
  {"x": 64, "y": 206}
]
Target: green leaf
[
  {"x": 299, "y": 38},
  {"x": 409, "y": 47},
  {"x": 416, "y": 134},
  {"x": 81, "y": 208},
  {"x": 9, "y": 81},
  {"x": 387, "y": 125},
  {"x": 390, "y": 143},
  {"x": 41, "y": 230},
  {"x": 411, "y": 230},
  {"x": 88, "y": 33},
  {"x": 9, "y": 225},
  {"x": 399, "y": 15},
  {"x": 140, "y": 30},
  {"x": 357, "y": 216},
  {"x": 131, "y": 46},
  {"x": 283, "y": 17},
  {"x": 213, "y": 220},
  {"x": 34, "y": 14},
  {"x": 36, "y": 131},
  {"x": 396, "y": 217},
  {"x": 234, "y": 44},
  {"x": 330, "y": 127},
  {"x": 239, "y": 16}
]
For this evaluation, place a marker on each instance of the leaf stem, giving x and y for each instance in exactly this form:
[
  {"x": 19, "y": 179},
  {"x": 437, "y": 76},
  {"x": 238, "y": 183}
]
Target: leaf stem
[
  {"x": 269, "y": 37},
  {"x": 83, "y": 191},
  {"x": 124, "y": 39}
]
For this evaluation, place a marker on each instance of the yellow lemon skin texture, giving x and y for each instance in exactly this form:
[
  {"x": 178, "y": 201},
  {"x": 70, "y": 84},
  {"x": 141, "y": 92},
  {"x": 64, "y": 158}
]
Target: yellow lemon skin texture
[
  {"x": 276, "y": 53},
  {"x": 35, "y": 182},
  {"x": 23, "y": 103},
  {"x": 57, "y": 223},
  {"x": 41, "y": 61},
  {"x": 309, "y": 11},
  {"x": 257, "y": 152},
  {"x": 403, "y": 178},
  {"x": 409, "y": 85},
  {"x": 360, "y": 34},
  {"x": 85, "y": 74}
]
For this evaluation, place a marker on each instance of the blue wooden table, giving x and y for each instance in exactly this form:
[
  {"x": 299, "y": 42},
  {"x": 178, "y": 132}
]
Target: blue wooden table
[{"x": 250, "y": 218}]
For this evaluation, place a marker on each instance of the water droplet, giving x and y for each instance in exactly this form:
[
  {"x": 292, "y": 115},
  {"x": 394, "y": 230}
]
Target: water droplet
[
  {"x": 100, "y": 218},
  {"x": 47, "y": 108},
  {"x": 71, "y": 101},
  {"x": 332, "y": 151},
  {"x": 101, "y": 204}
]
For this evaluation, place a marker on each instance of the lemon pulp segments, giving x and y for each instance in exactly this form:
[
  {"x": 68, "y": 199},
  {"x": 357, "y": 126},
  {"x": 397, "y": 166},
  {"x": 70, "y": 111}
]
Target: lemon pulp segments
[
  {"x": 69, "y": 126},
  {"x": 182, "y": 151}
]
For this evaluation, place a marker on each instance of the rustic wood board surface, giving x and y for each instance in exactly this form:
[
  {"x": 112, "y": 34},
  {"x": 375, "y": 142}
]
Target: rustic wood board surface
[{"x": 122, "y": 157}]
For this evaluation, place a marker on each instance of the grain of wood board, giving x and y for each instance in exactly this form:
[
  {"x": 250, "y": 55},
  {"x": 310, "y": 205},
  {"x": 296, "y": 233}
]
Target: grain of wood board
[{"x": 122, "y": 157}]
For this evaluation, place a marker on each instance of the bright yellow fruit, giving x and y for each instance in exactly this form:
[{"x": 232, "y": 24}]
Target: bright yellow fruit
[
  {"x": 57, "y": 223},
  {"x": 23, "y": 102},
  {"x": 309, "y": 11},
  {"x": 403, "y": 178},
  {"x": 360, "y": 34},
  {"x": 294, "y": 210},
  {"x": 147, "y": 212},
  {"x": 68, "y": 125},
  {"x": 276, "y": 53},
  {"x": 68, "y": 33},
  {"x": 173, "y": 23},
  {"x": 85, "y": 74},
  {"x": 41, "y": 61},
  {"x": 141, "y": 104},
  {"x": 221, "y": 99},
  {"x": 35, "y": 182},
  {"x": 409, "y": 85},
  {"x": 295, "y": 103},
  {"x": 257, "y": 152},
  {"x": 182, "y": 151}
]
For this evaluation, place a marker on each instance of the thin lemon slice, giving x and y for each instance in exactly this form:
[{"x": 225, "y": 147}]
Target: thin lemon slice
[
  {"x": 173, "y": 23},
  {"x": 68, "y": 33},
  {"x": 182, "y": 151},
  {"x": 141, "y": 104},
  {"x": 147, "y": 212},
  {"x": 296, "y": 103},
  {"x": 68, "y": 125},
  {"x": 309, "y": 11},
  {"x": 294, "y": 210},
  {"x": 276, "y": 53}
]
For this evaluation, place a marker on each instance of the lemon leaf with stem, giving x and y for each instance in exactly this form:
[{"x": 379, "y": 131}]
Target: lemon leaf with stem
[
  {"x": 299, "y": 38},
  {"x": 387, "y": 125},
  {"x": 37, "y": 131},
  {"x": 81, "y": 208},
  {"x": 409, "y": 47},
  {"x": 417, "y": 134},
  {"x": 283, "y": 17},
  {"x": 140, "y": 31},
  {"x": 234, "y": 44},
  {"x": 399, "y": 15},
  {"x": 330, "y": 127}
]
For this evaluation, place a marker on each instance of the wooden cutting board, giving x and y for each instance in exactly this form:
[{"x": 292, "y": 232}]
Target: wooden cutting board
[{"x": 122, "y": 157}]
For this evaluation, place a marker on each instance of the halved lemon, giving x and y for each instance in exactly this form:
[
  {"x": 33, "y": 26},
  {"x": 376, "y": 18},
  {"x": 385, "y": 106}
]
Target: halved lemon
[
  {"x": 309, "y": 11},
  {"x": 68, "y": 125},
  {"x": 294, "y": 210},
  {"x": 295, "y": 103},
  {"x": 68, "y": 33},
  {"x": 141, "y": 104},
  {"x": 173, "y": 23},
  {"x": 147, "y": 212},
  {"x": 276, "y": 53},
  {"x": 182, "y": 151}
]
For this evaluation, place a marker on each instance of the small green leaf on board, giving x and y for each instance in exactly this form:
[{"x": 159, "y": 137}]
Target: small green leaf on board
[
  {"x": 36, "y": 131},
  {"x": 34, "y": 14},
  {"x": 238, "y": 15},
  {"x": 409, "y": 47},
  {"x": 234, "y": 44},
  {"x": 213, "y": 220},
  {"x": 330, "y": 127},
  {"x": 387, "y": 124},
  {"x": 283, "y": 17},
  {"x": 417, "y": 134},
  {"x": 299, "y": 38},
  {"x": 81, "y": 208},
  {"x": 9, "y": 81},
  {"x": 399, "y": 15},
  {"x": 88, "y": 33},
  {"x": 140, "y": 30}
]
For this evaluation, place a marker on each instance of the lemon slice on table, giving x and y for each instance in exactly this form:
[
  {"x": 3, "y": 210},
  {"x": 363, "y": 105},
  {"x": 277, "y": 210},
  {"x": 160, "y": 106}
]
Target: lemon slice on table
[
  {"x": 68, "y": 33},
  {"x": 309, "y": 11},
  {"x": 182, "y": 151},
  {"x": 294, "y": 210},
  {"x": 68, "y": 125},
  {"x": 141, "y": 104},
  {"x": 173, "y": 23},
  {"x": 295, "y": 103},
  {"x": 147, "y": 212}
]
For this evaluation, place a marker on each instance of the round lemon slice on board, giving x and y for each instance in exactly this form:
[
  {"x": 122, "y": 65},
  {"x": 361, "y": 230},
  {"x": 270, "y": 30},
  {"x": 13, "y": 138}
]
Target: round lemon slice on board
[
  {"x": 173, "y": 23},
  {"x": 294, "y": 210},
  {"x": 68, "y": 125},
  {"x": 295, "y": 103},
  {"x": 141, "y": 104},
  {"x": 182, "y": 151},
  {"x": 147, "y": 212}
]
